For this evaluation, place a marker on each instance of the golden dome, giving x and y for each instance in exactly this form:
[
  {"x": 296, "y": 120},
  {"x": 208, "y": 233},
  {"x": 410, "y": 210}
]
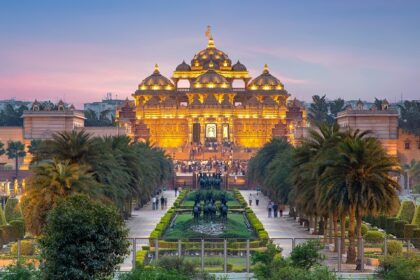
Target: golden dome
[
  {"x": 218, "y": 58},
  {"x": 239, "y": 67},
  {"x": 156, "y": 81},
  {"x": 266, "y": 81},
  {"x": 211, "y": 79},
  {"x": 183, "y": 67}
]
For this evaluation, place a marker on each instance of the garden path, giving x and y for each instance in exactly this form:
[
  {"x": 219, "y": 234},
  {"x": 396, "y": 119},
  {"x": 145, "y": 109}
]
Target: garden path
[
  {"x": 142, "y": 223},
  {"x": 278, "y": 228}
]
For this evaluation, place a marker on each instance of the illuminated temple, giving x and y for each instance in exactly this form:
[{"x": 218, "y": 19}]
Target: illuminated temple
[{"x": 211, "y": 109}]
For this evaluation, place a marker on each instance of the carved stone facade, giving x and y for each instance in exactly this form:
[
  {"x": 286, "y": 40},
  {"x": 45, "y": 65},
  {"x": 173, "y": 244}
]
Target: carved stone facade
[{"x": 210, "y": 109}]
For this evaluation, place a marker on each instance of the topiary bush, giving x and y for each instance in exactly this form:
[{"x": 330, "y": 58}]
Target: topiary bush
[
  {"x": 390, "y": 225},
  {"x": 416, "y": 238},
  {"x": 6, "y": 233},
  {"x": 399, "y": 228},
  {"x": 27, "y": 248},
  {"x": 374, "y": 236},
  {"x": 364, "y": 229},
  {"x": 406, "y": 211},
  {"x": 416, "y": 218},
  {"x": 18, "y": 229},
  {"x": 408, "y": 230},
  {"x": 394, "y": 247},
  {"x": 2, "y": 217},
  {"x": 12, "y": 210}
]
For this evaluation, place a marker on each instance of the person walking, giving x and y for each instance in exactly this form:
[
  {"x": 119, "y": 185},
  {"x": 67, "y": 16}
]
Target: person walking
[
  {"x": 162, "y": 202},
  {"x": 275, "y": 208},
  {"x": 269, "y": 206},
  {"x": 154, "y": 202},
  {"x": 250, "y": 199},
  {"x": 176, "y": 191},
  {"x": 157, "y": 202},
  {"x": 166, "y": 202},
  {"x": 281, "y": 210},
  {"x": 257, "y": 199}
]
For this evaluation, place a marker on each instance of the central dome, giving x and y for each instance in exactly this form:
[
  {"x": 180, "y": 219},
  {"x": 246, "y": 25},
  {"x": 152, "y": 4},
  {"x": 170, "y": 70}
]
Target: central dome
[
  {"x": 211, "y": 58},
  {"x": 211, "y": 79}
]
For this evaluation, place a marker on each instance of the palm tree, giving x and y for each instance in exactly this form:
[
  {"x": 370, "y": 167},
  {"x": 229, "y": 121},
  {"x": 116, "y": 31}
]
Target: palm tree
[
  {"x": 16, "y": 150},
  {"x": 2, "y": 151},
  {"x": 361, "y": 174},
  {"x": 49, "y": 182}
]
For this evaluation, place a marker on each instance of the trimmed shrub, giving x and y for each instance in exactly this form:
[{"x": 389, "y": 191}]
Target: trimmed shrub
[
  {"x": 27, "y": 248},
  {"x": 6, "y": 233},
  {"x": 416, "y": 218},
  {"x": 382, "y": 222},
  {"x": 408, "y": 230},
  {"x": 399, "y": 267},
  {"x": 12, "y": 210},
  {"x": 416, "y": 238},
  {"x": 390, "y": 225},
  {"x": 2, "y": 218},
  {"x": 399, "y": 228},
  {"x": 18, "y": 229},
  {"x": 406, "y": 211},
  {"x": 374, "y": 236},
  {"x": 364, "y": 228},
  {"x": 394, "y": 247},
  {"x": 141, "y": 257}
]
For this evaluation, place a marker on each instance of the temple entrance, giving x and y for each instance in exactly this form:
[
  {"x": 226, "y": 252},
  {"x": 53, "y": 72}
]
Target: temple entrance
[
  {"x": 211, "y": 131},
  {"x": 196, "y": 133}
]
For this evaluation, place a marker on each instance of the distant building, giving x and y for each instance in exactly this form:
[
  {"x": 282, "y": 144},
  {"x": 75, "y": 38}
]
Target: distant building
[
  {"x": 107, "y": 105},
  {"x": 382, "y": 123}
]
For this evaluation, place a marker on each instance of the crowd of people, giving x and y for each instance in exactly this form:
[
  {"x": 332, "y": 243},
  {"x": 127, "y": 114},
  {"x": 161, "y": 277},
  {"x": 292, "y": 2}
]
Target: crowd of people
[
  {"x": 232, "y": 167},
  {"x": 274, "y": 209}
]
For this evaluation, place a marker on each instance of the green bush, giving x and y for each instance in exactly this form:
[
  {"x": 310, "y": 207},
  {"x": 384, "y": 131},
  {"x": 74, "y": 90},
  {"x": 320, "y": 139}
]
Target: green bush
[
  {"x": 178, "y": 265},
  {"x": 141, "y": 257},
  {"x": 399, "y": 228},
  {"x": 406, "y": 211},
  {"x": 306, "y": 255},
  {"x": 152, "y": 273},
  {"x": 18, "y": 229},
  {"x": 408, "y": 230},
  {"x": 390, "y": 225},
  {"x": 6, "y": 233},
  {"x": 2, "y": 217},
  {"x": 364, "y": 228},
  {"x": 400, "y": 267},
  {"x": 416, "y": 218},
  {"x": 27, "y": 248},
  {"x": 374, "y": 236},
  {"x": 12, "y": 210},
  {"x": 21, "y": 271},
  {"x": 416, "y": 238},
  {"x": 394, "y": 247}
]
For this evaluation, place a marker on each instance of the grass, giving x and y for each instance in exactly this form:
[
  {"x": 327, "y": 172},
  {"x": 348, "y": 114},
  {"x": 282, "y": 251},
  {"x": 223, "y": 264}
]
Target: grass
[
  {"x": 235, "y": 228},
  {"x": 216, "y": 264}
]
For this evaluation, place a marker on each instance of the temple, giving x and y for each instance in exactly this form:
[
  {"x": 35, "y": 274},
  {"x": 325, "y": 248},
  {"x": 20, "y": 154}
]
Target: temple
[{"x": 211, "y": 111}]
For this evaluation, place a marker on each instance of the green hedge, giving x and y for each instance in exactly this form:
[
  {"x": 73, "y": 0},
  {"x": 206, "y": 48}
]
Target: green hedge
[
  {"x": 416, "y": 218},
  {"x": 2, "y": 218},
  {"x": 374, "y": 236},
  {"x": 6, "y": 233},
  {"x": 394, "y": 247},
  {"x": 408, "y": 230},
  {"x": 406, "y": 212},
  {"x": 399, "y": 228},
  {"x": 18, "y": 229},
  {"x": 12, "y": 210},
  {"x": 141, "y": 257},
  {"x": 27, "y": 248}
]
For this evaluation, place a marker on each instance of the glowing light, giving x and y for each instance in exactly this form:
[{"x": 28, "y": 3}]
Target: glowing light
[
  {"x": 210, "y": 85},
  {"x": 254, "y": 87},
  {"x": 156, "y": 87},
  {"x": 266, "y": 87}
]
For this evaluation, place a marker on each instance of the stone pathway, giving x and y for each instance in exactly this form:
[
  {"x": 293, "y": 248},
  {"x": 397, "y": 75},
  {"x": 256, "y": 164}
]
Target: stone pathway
[
  {"x": 142, "y": 223},
  {"x": 281, "y": 230}
]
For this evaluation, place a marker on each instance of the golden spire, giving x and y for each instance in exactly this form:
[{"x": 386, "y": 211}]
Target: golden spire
[
  {"x": 210, "y": 37},
  {"x": 265, "y": 68},
  {"x": 156, "y": 68}
]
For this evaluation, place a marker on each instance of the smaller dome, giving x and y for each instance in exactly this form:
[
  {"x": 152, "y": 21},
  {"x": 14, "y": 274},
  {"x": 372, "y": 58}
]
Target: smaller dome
[
  {"x": 211, "y": 79},
  {"x": 239, "y": 67},
  {"x": 266, "y": 81},
  {"x": 183, "y": 67},
  {"x": 156, "y": 81}
]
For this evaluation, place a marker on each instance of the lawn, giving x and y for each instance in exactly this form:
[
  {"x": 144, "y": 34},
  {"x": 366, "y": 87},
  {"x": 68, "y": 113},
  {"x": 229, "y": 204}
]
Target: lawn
[{"x": 235, "y": 227}]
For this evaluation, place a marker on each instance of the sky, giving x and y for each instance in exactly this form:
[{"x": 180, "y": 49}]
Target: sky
[{"x": 79, "y": 50}]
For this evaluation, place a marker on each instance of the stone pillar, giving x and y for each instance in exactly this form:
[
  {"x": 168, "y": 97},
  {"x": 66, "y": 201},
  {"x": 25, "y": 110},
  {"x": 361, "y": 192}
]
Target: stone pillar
[{"x": 202, "y": 130}]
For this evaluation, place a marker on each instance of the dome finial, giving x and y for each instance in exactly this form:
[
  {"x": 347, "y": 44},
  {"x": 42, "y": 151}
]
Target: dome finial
[
  {"x": 156, "y": 68},
  {"x": 210, "y": 37},
  {"x": 265, "y": 68}
]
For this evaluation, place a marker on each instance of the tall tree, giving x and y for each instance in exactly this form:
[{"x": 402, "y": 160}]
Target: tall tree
[
  {"x": 2, "y": 151},
  {"x": 10, "y": 116},
  {"x": 16, "y": 150},
  {"x": 318, "y": 110},
  {"x": 410, "y": 116},
  {"x": 336, "y": 106}
]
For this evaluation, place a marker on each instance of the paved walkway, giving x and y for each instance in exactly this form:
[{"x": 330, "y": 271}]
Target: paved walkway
[
  {"x": 142, "y": 223},
  {"x": 283, "y": 228}
]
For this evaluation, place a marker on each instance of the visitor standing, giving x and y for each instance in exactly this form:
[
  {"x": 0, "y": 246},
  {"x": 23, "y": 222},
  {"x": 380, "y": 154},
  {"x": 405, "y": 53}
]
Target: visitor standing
[
  {"x": 281, "y": 210},
  {"x": 269, "y": 209},
  {"x": 157, "y": 202},
  {"x": 166, "y": 202},
  {"x": 162, "y": 202},
  {"x": 250, "y": 199},
  {"x": 176, "y": 191},
  {"x": 275, "y": 208},
  {"x": 154, "y": 202},
  {"x": 257, "y": 199}
]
